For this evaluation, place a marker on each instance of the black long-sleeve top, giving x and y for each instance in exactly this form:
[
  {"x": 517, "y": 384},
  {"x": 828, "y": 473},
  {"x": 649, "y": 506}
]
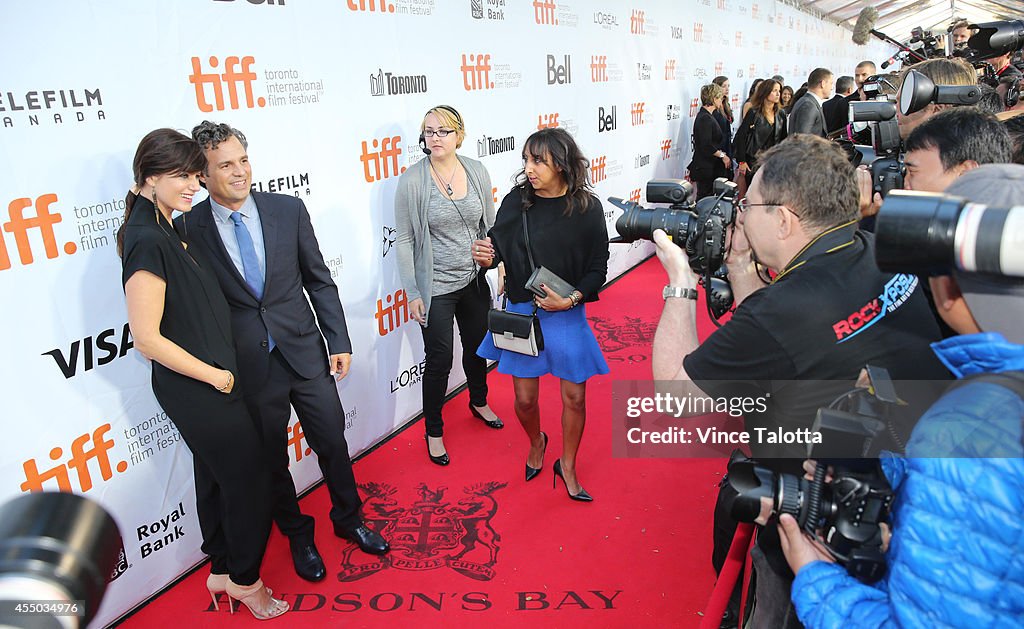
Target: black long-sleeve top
[
  {"x": 574, "y": 247},
  {"x": 707, "y": 136},
  {"x": 765, "y": 134},
  {"x": 726, "y": 126}
]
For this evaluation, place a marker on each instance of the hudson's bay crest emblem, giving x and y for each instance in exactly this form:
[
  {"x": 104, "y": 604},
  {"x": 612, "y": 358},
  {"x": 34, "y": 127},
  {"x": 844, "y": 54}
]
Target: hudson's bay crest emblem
[{"x": 431, "y": 533}]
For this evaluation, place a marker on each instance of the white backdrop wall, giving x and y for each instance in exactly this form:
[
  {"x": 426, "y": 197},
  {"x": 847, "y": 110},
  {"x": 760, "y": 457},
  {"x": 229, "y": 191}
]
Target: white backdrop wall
[{"x": 330, "y": 94}]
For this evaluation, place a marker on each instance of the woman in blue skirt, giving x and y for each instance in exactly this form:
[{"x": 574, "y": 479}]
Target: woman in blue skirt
[{"x": 567, "y": 235}]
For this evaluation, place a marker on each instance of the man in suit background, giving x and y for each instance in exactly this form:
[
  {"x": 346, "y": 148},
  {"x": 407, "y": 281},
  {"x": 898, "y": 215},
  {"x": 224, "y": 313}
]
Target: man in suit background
[
  {"x": 837, "y": 108},
  {"x": 265, "y": 254},
  {"x": 807, "y": 116}
]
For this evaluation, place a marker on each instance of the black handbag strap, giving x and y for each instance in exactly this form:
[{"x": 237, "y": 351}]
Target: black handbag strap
[{"x": 529, "y": 255}]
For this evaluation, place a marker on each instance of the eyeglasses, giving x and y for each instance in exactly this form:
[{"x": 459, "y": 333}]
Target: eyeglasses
[
  {"x": 441, "y": 133},
  {"x": 744, "y": 204}
]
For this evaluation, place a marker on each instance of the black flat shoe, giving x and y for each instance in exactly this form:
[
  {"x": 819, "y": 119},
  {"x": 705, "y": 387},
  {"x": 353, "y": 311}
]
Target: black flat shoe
[
  {"x": 308, "y": 563},
  {"x": 497, "y": 424},
  {"x": 532, "y": 472},
  {"x": 368, "y": 540},
  {"x": 438, "y": 460},
  {"x": 582, "y": 496}
]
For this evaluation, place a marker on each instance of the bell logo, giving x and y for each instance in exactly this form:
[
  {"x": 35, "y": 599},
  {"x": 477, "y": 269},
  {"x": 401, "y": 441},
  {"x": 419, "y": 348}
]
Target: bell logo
[
  {"x": 597, "y": 166},
  {"x": 636, "y": 111},
  {"x": 547, "y": 121},
  {"x": 636, "y": 22},
  {"x": 19, "y": 226},
  {"x": 670, "y": 70},
  {"x": 598, "y": 68},
  {"x": 394, "y": 314},
  {"x": 666, "y": 146},
  {"x": 634, "y": 195},
  {"x": 371, "y": 5},
  {"x": 236, "y": 70},
  {"x": 606, "y": 121},
  {"x": 694, "y": 107},
  {"x": 85, "y": 448},
  {"x": 385, "y": 153},
  {"x": 544, "y": 12},
  {"x": 88, "y": 348},
  {"x": 560, "y": 74},
  {"x": 698, "y": 32},
  {"x": 476, "y": 72}
]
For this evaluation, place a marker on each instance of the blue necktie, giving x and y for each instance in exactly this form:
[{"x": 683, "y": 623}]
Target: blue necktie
[{"x": 250, "y": 263}]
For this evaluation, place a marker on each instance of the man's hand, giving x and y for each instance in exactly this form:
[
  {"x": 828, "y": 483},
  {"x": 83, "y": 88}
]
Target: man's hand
[
  {"x": 738, "y": 254},
  {"x": 869, "y": 205},
  {"x": 339, "y": 365},
  {"x": 673, "y": 258},
  {"x": 418, "y": 311},
  {"x": 799, "y": 549}
]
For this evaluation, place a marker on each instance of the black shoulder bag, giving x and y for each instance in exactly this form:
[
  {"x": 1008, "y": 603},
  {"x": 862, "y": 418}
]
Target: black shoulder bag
[{"x": 512, "y": 331}]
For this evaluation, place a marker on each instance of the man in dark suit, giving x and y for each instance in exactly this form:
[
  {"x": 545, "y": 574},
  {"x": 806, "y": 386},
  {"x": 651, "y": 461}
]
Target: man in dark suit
[
  {"x": 265, "y": 254},
  {"x": 837, "y": 108},
  {"x": 807, "y": 116}
]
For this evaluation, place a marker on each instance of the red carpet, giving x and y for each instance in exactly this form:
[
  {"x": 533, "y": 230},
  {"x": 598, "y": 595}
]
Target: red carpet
[{"x": 475, "y": 545}]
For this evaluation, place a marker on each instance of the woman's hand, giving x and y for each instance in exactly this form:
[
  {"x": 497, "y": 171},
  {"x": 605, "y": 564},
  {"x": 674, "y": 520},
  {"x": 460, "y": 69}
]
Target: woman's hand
[
  {"x": 483, "y": 252},
  {"x": 744, "y": 168},
  {"x": 727, "y": 162},
  {"x": 224, "y": 382},
  {"x": 418, "y": 311},
  {"x": 501, "y": 278},
  {"x": 552, "y": 301}
]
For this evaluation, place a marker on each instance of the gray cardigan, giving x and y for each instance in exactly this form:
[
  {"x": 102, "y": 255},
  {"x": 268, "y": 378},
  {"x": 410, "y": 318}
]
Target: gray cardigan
[{"x": 415, "y": 256}]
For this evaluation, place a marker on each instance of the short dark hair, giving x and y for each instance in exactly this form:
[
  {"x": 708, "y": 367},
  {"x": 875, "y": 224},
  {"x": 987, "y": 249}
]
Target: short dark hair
[
  {"x": 817, "y": 77},
  {"x": 864, "y": 64},
  {"x": 961, "y": 134},
  {"x": 813, "y": 177},
  {"x": 210, "y": 134},
  {"x": 845, "y": 84},
  {"x": 1015, "y": 127},
  {"x": 991, "y": 101}
]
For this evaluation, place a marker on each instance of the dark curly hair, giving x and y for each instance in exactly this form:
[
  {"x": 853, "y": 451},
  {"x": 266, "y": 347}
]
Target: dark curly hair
[{"x": 556, "y": 147}]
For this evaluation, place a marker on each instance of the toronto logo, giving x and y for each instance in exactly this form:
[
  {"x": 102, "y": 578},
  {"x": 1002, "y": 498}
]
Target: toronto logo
[{"x": 431, "y": 533}]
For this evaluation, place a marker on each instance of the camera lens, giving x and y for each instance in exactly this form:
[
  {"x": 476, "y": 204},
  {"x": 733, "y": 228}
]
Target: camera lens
[{"x": 639, "y": 223}]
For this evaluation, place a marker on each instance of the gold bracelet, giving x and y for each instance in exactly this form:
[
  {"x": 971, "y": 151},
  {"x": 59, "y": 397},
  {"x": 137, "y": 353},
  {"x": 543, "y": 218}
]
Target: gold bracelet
[{"x": 231, "y": 379}]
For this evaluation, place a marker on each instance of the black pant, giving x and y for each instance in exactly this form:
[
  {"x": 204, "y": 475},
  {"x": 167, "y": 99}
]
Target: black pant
[
  {"x": 705, "y": 187},
  {"x": 468, "y": 306},
  {"x": 322, "y": 420}
]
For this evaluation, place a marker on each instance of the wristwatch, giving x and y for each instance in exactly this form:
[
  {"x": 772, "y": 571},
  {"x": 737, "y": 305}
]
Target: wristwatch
[{"x": 679, "y": 291}]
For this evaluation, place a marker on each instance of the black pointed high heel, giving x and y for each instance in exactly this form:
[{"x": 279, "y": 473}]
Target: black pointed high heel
[
  {"x": 582, "y": 496},
  {"x": 496, "y": 424},
  {"x": 532, "y": 472},
  {"x": 438, "y": 460}
]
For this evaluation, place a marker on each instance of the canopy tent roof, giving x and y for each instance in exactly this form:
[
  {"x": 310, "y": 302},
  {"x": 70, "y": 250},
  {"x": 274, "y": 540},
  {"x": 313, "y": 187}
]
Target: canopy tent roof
[{"x": 896, "y": 18}]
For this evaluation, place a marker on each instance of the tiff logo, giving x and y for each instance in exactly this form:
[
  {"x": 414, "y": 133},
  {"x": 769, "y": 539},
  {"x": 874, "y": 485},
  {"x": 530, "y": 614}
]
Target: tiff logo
[
  {"x": 597, "y": 169},
  {"x": 386, "y": 152},
  {"x": 698, "y": 32},
  {"x": 89, "y": 347},
  {"x": 723, "y": 5},
  {"x": 694, "y": 107},
  {"x": 739, "y": 39},
  {"x": 767, "y": 44},
  {"x": 666, "y": 146},
  {"x": 394, "y": 314},
  {"x": 19, "y": 225},
  {"x": 476, "y": 72},
  {"x": 295, "y": 438},
  {"x": 634, "y": 195},
  {"x": 267, "y": 2},
  {"x": 719, "y": 67},
  {"x": 85, "y": 448},
  {"x": 636, "y": 22},
  {"x": 547, "y": 121},
  {"x": 235, "y": 71},
  {"x": 755, "y": 11},
  {"x": 606, "y": 121},
  {"x": 670, "y": 70},
  {"x": 544, "y": 12},
  {"x": 636, "y": 111},
  {"x": 371, "y": 5},
  {"x": 598, "y": 68},
  {"x": 560, "y": 74}
]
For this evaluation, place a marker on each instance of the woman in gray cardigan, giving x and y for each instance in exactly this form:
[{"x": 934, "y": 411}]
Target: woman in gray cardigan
[{"x": 443, "y": 203}]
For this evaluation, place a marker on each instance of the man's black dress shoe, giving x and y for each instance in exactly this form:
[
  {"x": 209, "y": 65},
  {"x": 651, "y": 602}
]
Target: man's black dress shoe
[
  {"x": 368, "y": 540},
  {"x": 308, "y": 563}
]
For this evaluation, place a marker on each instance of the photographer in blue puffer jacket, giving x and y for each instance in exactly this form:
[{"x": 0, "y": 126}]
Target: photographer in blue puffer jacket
[{"x": 956, "y": 556}]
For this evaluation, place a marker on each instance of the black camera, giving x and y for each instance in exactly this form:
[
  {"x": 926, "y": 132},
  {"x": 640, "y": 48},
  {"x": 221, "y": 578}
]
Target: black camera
[
  {"x": 849, "y": 509},
  {"x": 994, "y": 39},
  {"x": 925, "y": 43},
  {"x": 933, "y": 234},
  {"x": 886, "y": 169}
]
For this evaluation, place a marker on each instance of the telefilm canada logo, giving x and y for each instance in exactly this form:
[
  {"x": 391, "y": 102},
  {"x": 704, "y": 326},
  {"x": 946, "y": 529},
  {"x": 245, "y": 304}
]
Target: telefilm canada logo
[
  {"x": 45, "y": 107},
  {"x": 389, "y": 84}
]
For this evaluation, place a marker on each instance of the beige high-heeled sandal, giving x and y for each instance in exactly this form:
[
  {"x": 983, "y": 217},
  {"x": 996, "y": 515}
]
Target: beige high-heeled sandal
[
  {"x": 216, "y": 584},
  {"x": 252, "y": 596}
]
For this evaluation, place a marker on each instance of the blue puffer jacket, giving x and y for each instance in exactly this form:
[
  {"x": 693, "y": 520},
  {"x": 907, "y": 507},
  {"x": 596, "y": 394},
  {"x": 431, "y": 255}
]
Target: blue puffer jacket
[{"x": 956, "y": 558}]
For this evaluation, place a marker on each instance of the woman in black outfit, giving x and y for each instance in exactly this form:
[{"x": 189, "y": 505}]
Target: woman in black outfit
[
  {"x": 709, "y": 160},
  {"x": 181, "y": 322},
  {"x": 763, "y": 127},
  {"x": 724, "y": 117},
  {"x": 567, "y": 234}
]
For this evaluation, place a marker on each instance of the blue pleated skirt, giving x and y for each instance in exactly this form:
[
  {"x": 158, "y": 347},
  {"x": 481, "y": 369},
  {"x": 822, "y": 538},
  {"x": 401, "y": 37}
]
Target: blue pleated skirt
[{"x": 570, "y": 349}]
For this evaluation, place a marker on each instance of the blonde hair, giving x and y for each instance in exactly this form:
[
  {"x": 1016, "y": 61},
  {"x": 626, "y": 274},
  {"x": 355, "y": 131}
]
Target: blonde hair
[
  {"x": 449, "y": 118},
  {"x": 954, "y": 71},
  {"x": 710, "y": 93}
]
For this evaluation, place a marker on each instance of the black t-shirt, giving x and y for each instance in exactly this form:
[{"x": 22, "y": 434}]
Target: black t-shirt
[
  {"x": 574, "y": 247},
  {"x": 829, "y": 315}
]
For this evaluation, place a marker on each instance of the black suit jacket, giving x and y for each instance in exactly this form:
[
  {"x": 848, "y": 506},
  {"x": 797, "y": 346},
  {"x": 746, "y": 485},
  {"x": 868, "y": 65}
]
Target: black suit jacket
[
  {"x": 294, "y": 264},
  {"x": 836, "y": 111},
  {"x": 807, "y": 117},
  {"x": 707, "y": 138}
]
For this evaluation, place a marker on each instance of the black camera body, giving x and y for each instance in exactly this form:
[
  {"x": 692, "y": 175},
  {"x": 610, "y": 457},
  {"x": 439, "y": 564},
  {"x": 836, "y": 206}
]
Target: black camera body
[{"x": 886, "y": 166}]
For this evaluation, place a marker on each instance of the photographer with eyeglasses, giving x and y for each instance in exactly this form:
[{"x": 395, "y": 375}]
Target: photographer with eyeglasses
[{"x": 825, "y": 312}]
